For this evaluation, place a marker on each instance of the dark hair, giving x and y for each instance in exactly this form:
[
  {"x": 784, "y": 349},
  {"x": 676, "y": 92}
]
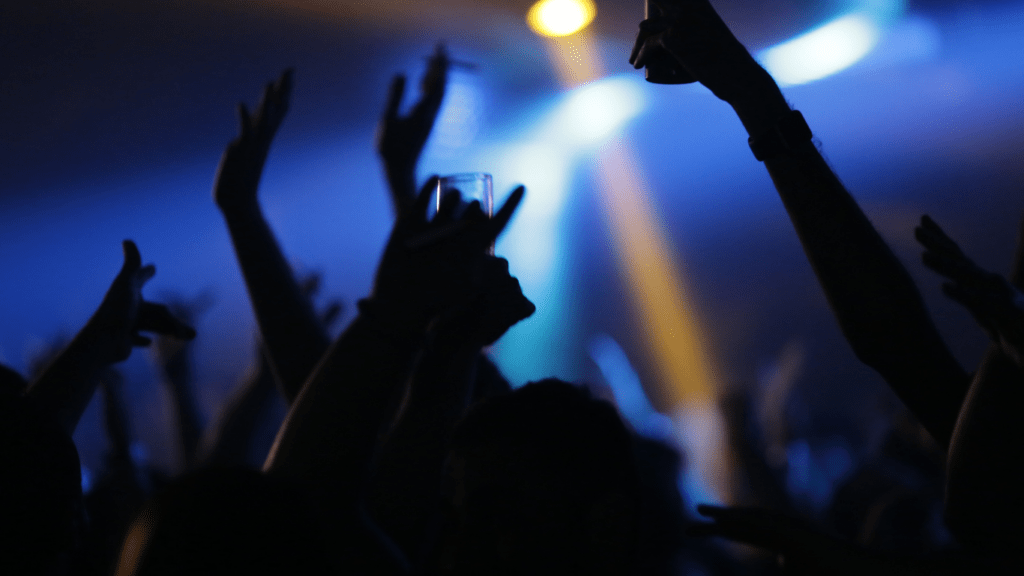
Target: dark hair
[
  {"x": 552, "y": 468},
  {"x": 549, "y": 440}
]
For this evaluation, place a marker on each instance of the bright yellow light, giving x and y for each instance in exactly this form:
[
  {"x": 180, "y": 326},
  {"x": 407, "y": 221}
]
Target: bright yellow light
[{"x": 560, "y": 17}]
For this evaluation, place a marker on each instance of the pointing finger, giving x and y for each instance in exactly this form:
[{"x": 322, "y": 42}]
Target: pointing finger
[
  {"x": 501, "y": 219},
  {"x": 132, "y": 258}
]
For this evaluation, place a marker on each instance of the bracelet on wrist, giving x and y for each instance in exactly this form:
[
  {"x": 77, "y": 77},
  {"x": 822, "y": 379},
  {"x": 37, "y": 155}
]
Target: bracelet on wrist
[{"x": 788, "y": 133}]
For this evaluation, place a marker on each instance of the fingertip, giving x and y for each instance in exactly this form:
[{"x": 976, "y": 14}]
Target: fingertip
[
  {"x": 530, "y": 308},
  {"x": 147, "y": 271},
  {"x": 132, "y": 257},
  {"x": 141, "y": 341},
  {"x": 244, "y": 120}
]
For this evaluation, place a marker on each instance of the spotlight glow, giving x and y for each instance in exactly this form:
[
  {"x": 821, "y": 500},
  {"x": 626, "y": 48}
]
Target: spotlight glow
[
  {"x": 591, "y": 114},
  {"x": 560, "y": 17},
  {"x": 823, "y": 51}
]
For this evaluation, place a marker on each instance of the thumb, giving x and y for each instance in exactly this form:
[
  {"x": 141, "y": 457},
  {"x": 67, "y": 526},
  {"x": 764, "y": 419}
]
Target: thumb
[{"x": 132, "y": 258}]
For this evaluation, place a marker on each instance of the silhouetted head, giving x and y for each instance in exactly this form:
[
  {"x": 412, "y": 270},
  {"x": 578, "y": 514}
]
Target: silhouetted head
[
  {"x": 224, "y": 522},
  {"x": 11, "y": 383},
  {"x": 542, "y": 482},
  {"x": 41, "y": 511}
]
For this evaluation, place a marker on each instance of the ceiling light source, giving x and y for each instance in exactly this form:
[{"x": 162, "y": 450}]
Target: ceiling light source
[{"x": 560, "y": 17}]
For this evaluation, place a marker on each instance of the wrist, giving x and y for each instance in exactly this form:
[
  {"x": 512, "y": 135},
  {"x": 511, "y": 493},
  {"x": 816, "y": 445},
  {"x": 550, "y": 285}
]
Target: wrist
[{"x": 760, "y": 105}]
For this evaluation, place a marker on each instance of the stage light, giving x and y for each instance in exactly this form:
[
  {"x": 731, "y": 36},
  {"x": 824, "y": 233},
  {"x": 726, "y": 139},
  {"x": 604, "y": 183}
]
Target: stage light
[
  {"x": 560, "y": 17},
  {"x": 822, "y": 52},
  {"x": 594, "y": 112}
]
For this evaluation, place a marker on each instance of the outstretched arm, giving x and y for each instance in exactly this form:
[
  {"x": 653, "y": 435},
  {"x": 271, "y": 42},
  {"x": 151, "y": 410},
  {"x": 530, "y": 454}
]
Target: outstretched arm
[
  {"x": 294, "y": 340},
  {"x": 330, "y": 435},
  {"x": 996, "y": 305},
  {"x": 231, "y": 440},
  {"x": 68, "y": 383},
  {"x": 983, "y": 505},
  {"x": 400, "y": 139},
  {"x": 872, "y": 296},
  {"x": 405, "y": 487},
  {"x": 174, "y": 362}
]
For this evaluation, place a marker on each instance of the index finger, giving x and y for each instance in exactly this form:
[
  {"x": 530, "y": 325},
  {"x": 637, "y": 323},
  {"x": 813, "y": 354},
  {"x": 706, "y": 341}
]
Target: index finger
[
  {"x": 283, "y": 89},
  {"x": 395, "y": 93},
  {"x": 132, "y": 258},
  {"x": 500, "y": 220}
]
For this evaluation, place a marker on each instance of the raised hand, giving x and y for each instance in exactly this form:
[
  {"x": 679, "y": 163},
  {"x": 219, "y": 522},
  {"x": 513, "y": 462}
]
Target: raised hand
[
  {"x": 169, "y": 352},
  {"x": 431, "y": 265},
  {"x": 241, "y": 166},
  {"x": 400, "y": 139},
  {"x": 995, "y": 304},
  {"x": 293, "y": 337},
  {"x": 117, "y": 324},
  {"x": 65, "y": 387},
  {"x": 694, "y": 34},
  {"x": 497, "y": 306}
]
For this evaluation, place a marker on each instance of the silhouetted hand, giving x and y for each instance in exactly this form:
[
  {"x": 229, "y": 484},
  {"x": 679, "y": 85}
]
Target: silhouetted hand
[
  {"x": 431, "y": 265},
  {"x": 66, "y": 385},
  {"x": 167, "y": 349},
  {"x": 498, "y": 305},
  {"x": 694, "y": 34},
  {"x": 115, "y": 327},
  {"x": 995, "y": 304},
  {"x": 803, "y": 549},
  {"x": 400, "y": 139},
  {"x": 241, "y": 165}
]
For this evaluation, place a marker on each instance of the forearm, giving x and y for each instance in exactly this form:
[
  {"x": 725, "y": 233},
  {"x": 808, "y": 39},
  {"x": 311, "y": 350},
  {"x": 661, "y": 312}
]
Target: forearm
[
  {"x": 186, "y": 412},
  {"x": 330, "y": 434},
  {"x": 116, "y": 418},
  {"x": 402, "y": 183},
  {"x": 229, "y": 441},
  {"x": 407, "y": 476},
  {"x": 874, "y": 299},
  {"x": 67, "y": 385},
  {"x": 294, "y": 338}
]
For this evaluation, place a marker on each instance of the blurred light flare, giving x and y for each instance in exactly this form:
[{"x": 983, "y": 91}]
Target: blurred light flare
[
  {"x": 593, "y": 112},
  {"x": 556, "y": 18},
  {"x": 823, "y": 51},
  {"x": 459, "y": 119},
  {"x": 629, "y": 393}
]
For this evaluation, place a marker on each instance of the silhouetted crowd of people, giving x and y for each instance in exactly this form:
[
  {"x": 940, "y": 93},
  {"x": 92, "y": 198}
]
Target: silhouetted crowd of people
[{"x": 405, "y": 451}]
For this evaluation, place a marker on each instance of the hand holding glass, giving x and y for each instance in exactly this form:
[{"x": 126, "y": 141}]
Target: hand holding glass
[{"x": 472, "y": 186}]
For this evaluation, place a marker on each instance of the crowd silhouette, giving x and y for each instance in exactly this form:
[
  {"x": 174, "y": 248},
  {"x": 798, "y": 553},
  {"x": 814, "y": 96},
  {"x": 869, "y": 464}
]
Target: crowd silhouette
[{"x": 405, "y": 451}]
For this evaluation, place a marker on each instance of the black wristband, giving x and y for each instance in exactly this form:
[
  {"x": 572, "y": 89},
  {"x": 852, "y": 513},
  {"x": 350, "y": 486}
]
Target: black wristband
[{"x": 791, "y": 131}]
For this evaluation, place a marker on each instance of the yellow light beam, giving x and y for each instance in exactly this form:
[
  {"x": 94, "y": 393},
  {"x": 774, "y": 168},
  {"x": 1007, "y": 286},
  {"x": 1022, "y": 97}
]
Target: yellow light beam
[
  {"x": 686, "y": 378},
  {"x": 662, "y": 300}
]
